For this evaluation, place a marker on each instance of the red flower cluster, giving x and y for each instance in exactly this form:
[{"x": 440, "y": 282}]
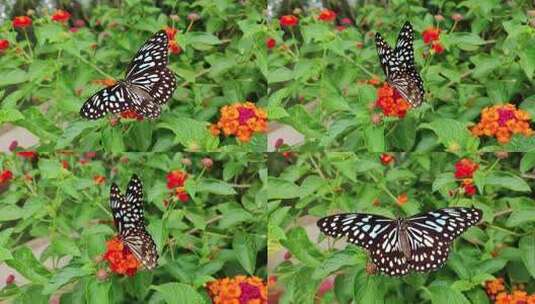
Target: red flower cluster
[
  {"x": 120, "y": 259},
  {"x": 464, "y": 170},
  {"x": 391, "y": 102},
  {"x": 61, "y": 16},
  {"x": 174, "y": 47},
  {"x": 30, "y": 155},
  {"x": 99, "y": 179},
  {"x": 386, "y": 159},
  {"x": 176, "y": 180},
  {"x": 327, "y": 15},
  {"x": 4, "y": 44},
  {"x": 432, "y": 36},
  {"x": 288, "y": 20},
  {"x": 21, "y": 22},
  {"x": 5, "y": 176},
  {"x": 271, "y": 43},
  {"x": 131, "y": 114}
]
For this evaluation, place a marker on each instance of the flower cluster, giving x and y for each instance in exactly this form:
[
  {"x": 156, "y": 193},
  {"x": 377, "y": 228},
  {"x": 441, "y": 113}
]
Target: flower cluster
[
  {"x": 271, "y": 43},
  {"x": 175, "y": 182},
  {"x": 4, "y": 44},
  {"x": 432, "y": 36},
  {"x": 288, "y": 20},
  {"x": 241, "y": 120},
  {"x": 29, "y": 155},
  {"x": 402, "y": 199},
  {"x": 5, "y": 176},
  {"x": 238, "y": 290},
  {"x": 386, "y": 159},
  {"x": 464, "y": 171},
  {"x": 502, "y": 121},
  {"x": 131, "y": 114},
  {"x": 174, "y": 47},
  {"x": 391, "y": 102},
  {"x": 496, "y": 292},
  {"x": 327, "y": 15},
  {"x": 61, "y": 16},
  {"x": 21, "y": 22},
  {"x": 120, "y": 259},
  {"x": 99, "y": 179}
]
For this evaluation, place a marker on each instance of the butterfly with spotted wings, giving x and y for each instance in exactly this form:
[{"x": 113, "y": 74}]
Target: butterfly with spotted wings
[
  {"x": 130, "y": 222},
  {"x": 148, "y": 84},
  {"x": 418, "y": 243},
  {"x": 398, "y": 65}
]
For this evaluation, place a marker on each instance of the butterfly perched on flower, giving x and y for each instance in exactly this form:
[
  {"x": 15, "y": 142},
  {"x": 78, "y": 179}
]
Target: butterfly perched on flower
[
  {"x": 398, "y": 65},
  {"x": 418, "y": 243},
  {"x": 129, "y": 220},
  {"x": 148, "y": 84}
]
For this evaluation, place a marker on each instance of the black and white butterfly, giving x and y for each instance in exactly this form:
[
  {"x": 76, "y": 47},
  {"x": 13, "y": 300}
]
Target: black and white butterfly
[
  {"x": 398, "y": 65},
  {"x": 148, "y": 84},
  {"x": 418, "y": 243},
  {"x": 129, "y": 220}
]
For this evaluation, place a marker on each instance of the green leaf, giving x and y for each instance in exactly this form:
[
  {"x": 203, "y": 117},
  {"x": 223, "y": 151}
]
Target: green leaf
[
  {"x": 335, "y": 262},
  {"x": 521, "y": 216},
  {"x": 404, "y": 134},
  {"x": 10, "y": 213},
  {"x": 444, "y": 294},
  {"x": 28, "y": 266},
  {"x": 14, "y": 76},
  {"x": 368, "y": 289},
  {"x": 190, "y": 133},
  {"x": 454, "y": 135},
  {"x": 506, "y": 180},
  {"x": 527, "y": 249},
  {"x": 244, "y": 248},
  {"x": 5, "y": 254},
  {"x": 49, "y": 168},
  {"x": 375, "y": 138},
  {"x": 97, "y": 292},
  {"x": 527, "y": 162},
  {"x": 442, "y": 181},
  {"x": 71, "y": 132},
  {"x": 276, "y": 112},
  {"x": 64, "y": 276},
  {"x": 280, "y": 75},
  {"x": 178, "y": 293},
  {"x": 302, "y": 248},
  {"x": 278, "y": 188},
  {"x": 215, "y": 186},
  {"x": 10, "y": 115}
]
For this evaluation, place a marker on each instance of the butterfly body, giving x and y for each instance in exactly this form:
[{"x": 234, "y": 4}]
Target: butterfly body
[
  {"x": 148, "y": 84},
  {"x": 129, "y": 220},
  {"x": 397, "y": 246},
  {"x": 398, "y": 65}
]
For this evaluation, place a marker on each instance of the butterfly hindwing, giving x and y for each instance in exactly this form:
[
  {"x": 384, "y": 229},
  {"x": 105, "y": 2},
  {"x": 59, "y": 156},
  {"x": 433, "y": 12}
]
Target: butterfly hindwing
[
  {"x": 112, "y": 99},
  {"x": 360, "y": 228},
  {"x": 142, "y": 246}
]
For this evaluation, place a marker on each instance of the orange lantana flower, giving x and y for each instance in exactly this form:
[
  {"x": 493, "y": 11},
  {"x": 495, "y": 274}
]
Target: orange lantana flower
[
  {"x": 238, "y": 290},
  {"x": 402, "y": 199},
  {"x": 391, "y": 102},
  {"x": 241, "y": 120},
  {"x": 502, "y": 122}
]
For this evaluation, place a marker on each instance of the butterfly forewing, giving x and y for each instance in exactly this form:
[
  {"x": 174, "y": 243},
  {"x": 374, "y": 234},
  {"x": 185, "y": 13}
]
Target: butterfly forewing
[
  {"x": 128, "y": 215},
  {"x": 419, "y": 243},
  {"x": 151, "y": 56},
  {"x": 398, "y": 65}
]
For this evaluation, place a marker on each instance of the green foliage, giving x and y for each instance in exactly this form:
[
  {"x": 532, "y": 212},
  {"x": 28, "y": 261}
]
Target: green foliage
[
  {"x": 337, "y": 182},
  {"x": 56, "y": 200}
]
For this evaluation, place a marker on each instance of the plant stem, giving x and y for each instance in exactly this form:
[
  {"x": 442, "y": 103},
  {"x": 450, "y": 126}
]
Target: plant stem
[
  {"x": 94, "y": 67},
  {"x": 29, "y": 44}
]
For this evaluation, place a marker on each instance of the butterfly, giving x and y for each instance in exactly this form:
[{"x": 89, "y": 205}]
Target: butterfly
[
  {"x": 398, "y": 65},
  {"x": 129, "y": 220},
  {"x": 148, "y": 84},
  {"x": 418, "y": 243}
]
